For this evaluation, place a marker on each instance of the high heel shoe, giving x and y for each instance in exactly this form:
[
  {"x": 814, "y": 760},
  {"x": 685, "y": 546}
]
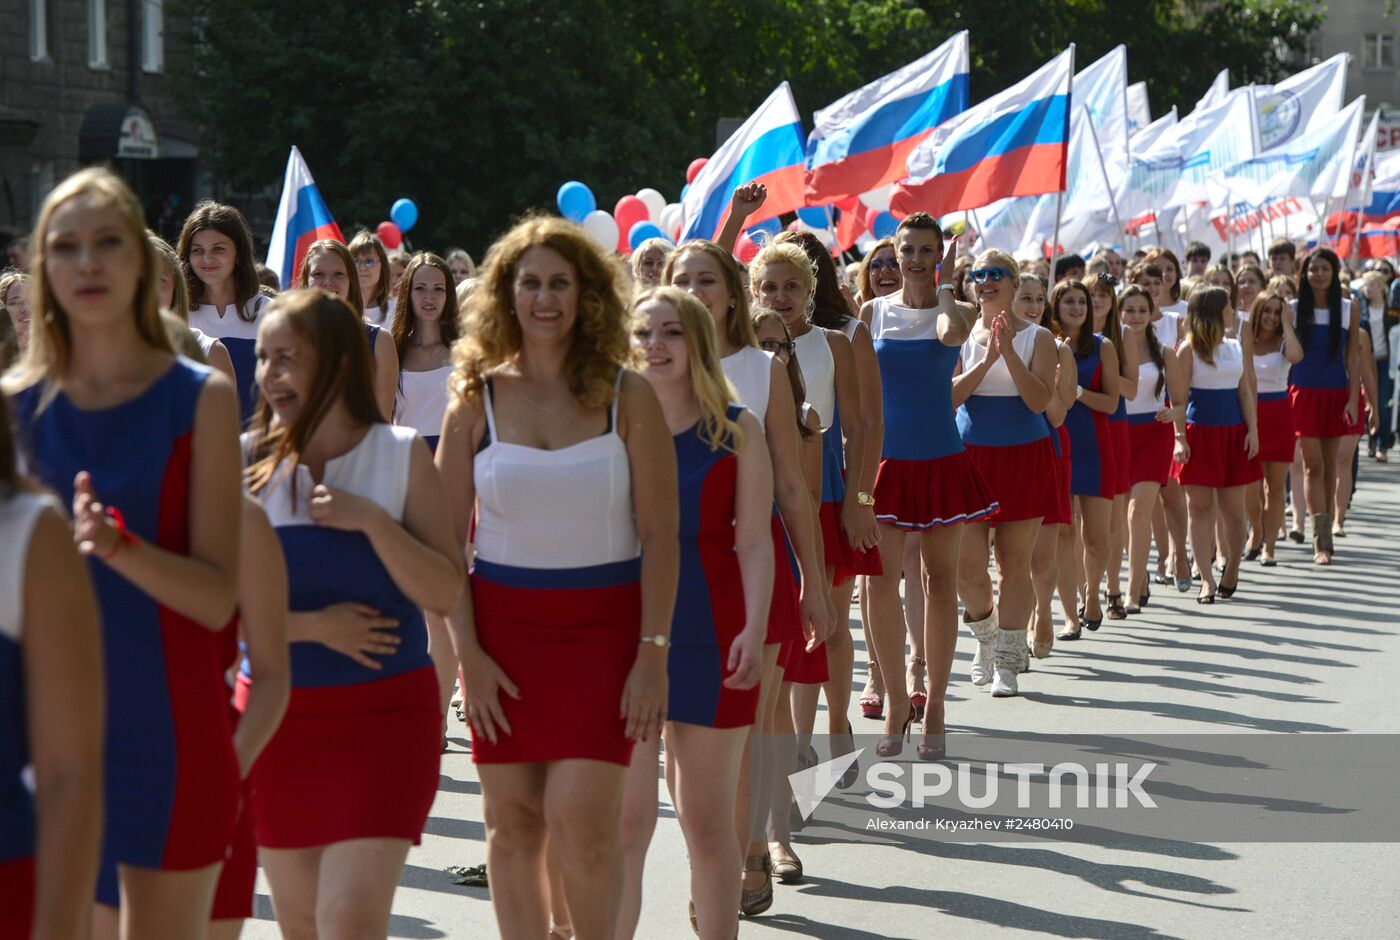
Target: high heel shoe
[
  {"x": 872, "y": 706},
  {"x": 1116, "y": 610},
  {"x": 1227, "y": 591},
  {"x": 934, "y": 747},
  {"x": 893, "y": 745},
  {"x": 918, "y": 698}
]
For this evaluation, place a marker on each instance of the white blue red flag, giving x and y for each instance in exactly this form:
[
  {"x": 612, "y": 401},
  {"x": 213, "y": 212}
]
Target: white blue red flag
[
  {"x": 302, "y": 219},
  {"x": 767, "y": 149},
  {"x": 1012, "y": 144},
  {"x": 862, "y": 141}
]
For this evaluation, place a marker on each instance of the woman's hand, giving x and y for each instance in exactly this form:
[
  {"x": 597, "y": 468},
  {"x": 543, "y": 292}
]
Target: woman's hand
[
  {"x": 817, "y": 616},
  {"x": 1251, "y": 444},
  {"x": 1168, "y": 415},
  {"x": 950, "y": 261},
  {"x": 1351, "y": 410},
  {"x": 93, "y": 531},
  {"x": 862, "y": 531},
  {"x": 644, "y": 696},
  {"x": 483, "y": 681},
  {"x": 358, "y": 631},
  {"x": 1182, "y": 452},
  {"x": 748, "y": 199},
  {"x": 337, "y": 509},
  {"x": 746, "y": 659}
]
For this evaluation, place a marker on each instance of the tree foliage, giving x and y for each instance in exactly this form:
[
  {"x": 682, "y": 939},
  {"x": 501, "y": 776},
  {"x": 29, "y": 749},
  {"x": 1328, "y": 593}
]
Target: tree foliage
[{"x": 479, "y": 109}]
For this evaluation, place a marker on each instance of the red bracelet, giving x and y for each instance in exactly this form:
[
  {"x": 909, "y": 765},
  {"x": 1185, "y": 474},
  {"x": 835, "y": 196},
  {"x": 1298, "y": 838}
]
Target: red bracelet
[{"x": 124, "y": 537}]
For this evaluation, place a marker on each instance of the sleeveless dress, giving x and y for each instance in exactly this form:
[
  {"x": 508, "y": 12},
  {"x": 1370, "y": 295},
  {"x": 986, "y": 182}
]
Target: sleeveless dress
[
  {"x": 382, "y": 319},
  {"x": 308, "y": 787},
  {"x": 171, "y": 778},
  {"x": 1121, "y": 439},
  {"x": 422, "y": 402},
  {"x": 1277, "y": 439},
  {"x": 556, "y": 583},
  {"x": 239, "y": 337},
  {"x": 1150, "y": 441},
  {"x": 1318, "y": 386},
  {"x": 926, "y": 478},
  {"x": 18, "y": 515},
  {"x": 1095, "y": 472},
  {"x": 1168, "y": 328},
  {"x": 750, "y": 371},
  {"x": 1009, "y": 444},
  {"x": 1215, "y": 428},
  {"x": 709, "y": 611}
]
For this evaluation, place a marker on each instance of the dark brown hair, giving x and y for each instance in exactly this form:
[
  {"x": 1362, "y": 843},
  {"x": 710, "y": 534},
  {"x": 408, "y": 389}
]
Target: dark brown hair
[
  {"x": 1154, "y": 345},
  {"x": 406, "y": 322},
  {"x": 1083, "y": 344},
  {"x": 367, "y": 241},
  {"x": 227, "y": 221},
  {"x": 332, "y": 247},
  {"x": 794, "y": 369}
]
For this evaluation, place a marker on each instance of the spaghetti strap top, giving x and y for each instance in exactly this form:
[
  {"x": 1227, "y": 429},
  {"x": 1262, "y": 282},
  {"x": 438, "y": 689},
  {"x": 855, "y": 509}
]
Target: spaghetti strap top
[
  {"x": 818, "y": 372},
  {"x": 565, "y": 508}
]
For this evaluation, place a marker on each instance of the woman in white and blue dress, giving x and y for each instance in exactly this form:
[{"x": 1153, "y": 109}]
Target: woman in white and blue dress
[{"x": 376, "y": 279}]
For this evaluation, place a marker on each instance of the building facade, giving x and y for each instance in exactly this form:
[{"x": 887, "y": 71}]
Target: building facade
[
  {"x": 92, "y": 81},
  {"x": 1369, "y": 31}
]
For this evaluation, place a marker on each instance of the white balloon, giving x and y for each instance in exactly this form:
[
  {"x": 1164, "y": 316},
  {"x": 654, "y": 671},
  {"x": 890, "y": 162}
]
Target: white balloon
[
  {"x": 878, "y": 199},
  {"x": 670, "y": 217},
  {"x": 602, "y": 228},
  {"x": 655, "y": 202}
]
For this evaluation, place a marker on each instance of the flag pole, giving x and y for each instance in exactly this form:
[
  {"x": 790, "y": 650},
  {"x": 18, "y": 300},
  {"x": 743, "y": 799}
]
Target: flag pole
[
  {"x": 1108, "y": 188},
  {"x": 1055, "y": 240}
]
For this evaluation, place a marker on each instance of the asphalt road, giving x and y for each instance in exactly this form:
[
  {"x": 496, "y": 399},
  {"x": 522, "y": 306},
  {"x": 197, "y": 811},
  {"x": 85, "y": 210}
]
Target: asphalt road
[{"x": 1300, "y": 649}]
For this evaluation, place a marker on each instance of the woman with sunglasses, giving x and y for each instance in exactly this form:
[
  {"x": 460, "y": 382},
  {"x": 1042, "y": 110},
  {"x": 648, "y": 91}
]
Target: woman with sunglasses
[
  {"x": 1005, "y": 382},
  {"x": 1108, "y": 323},
  {"x": 1094, "y": 480}
]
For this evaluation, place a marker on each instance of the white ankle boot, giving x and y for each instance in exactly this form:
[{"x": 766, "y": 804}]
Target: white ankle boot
[
  {"x": 1010, "y": 660},
  {"x": 985, "y": 631}
]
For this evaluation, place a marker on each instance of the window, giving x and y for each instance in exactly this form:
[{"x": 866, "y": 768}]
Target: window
[
  {"x": 38, "y": 30},
  {"x": 97, "y": 34},
  {"x": 1378, "y": 51},
  {"x": 152, "y": 36}
]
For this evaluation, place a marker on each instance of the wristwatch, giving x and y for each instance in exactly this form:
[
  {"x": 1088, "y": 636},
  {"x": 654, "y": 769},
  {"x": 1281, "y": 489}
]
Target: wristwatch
[
  {"x": 865, "y": 499},
  {"x": 657, "y": 639}
]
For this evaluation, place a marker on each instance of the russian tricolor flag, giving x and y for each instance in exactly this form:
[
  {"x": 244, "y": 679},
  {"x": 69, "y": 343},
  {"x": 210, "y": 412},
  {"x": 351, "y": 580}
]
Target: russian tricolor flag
[
  {"x": 767, "y": 149},
  {"x": 863, "y": 141},
  {"x": 302, "y": 219},
  {"x": 1012, "y": 144}
]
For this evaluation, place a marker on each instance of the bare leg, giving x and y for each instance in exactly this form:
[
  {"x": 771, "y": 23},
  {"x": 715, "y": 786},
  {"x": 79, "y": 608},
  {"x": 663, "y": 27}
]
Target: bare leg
[
  {"x": 704, "y": 768},
  {"x": 639, "y": 808},
  {"x": 887, "y": 627},
  {"x": 1230, "y": 505},
  {"x": 1174, "y": 503},
  {"x": 1297, "y": 486},
  {"x": 1117, "y": 544},
  {"x": 1200, "y": 506},
  {"x": 840, "y": 660},
  {"x": 1094, "y": 513},
  {"x": 1066, "y": 578},
  {"x": 166, "y": 904},
  {"x": 939, "y": 549},
  {"x": 1043, "y": 572},
  {"x": 874, "y": 691},
  {"x": 355, "y": 890},
  {"x": 513, "y": 807},
  {"x": 1346, "y": 447},
  {"x": 583, "y": 810},
  {"x": 1141, "y": 504},
  {"x": 1271, "y": 514}
]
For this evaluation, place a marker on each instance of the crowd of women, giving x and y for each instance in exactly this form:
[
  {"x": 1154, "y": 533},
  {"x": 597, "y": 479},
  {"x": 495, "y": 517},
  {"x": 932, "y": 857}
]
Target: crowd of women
[{"x": 620, "y": 506}]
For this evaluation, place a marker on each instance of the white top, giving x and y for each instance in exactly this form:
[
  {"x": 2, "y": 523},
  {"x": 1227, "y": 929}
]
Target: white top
[
  {"x": 818, "y": 373},
  {"x": 18, "y": 516},
  {"x": 1168, "y": 327},
  {"x": 376, "y": 468},
  {"x": 1243, "y": 315},
  {"x": 893, "y": 322},
  {"x": 1147, "y": 400},
  {"x": 750, "y": 371},
  {"x": 1322, "y": 316},
  {"x": 1177, "y": 309},
  {"x": 422, "y": 400},
  {"x": 566, "y": 508},
  {"x": 1225, "y": 372},
  {"x": 205, "y": 341},
  {"x": 998, "y": 380},
  {"x": 1379, "y": 345},
  {"x": 1271, "y": 371},
  {"x": 379, "y": 318},
  {"x": 206, "y": 319}
]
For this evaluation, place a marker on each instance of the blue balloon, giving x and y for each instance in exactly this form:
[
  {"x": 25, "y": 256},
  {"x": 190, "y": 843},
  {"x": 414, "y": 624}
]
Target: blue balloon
[
  {"x": 404, "y": 214},
  {"x": 814, "y": 216},
  {"x": 575, "y": 201},
  {"x": 883, "y": 225},
  {"x": 643, "y": 230}
]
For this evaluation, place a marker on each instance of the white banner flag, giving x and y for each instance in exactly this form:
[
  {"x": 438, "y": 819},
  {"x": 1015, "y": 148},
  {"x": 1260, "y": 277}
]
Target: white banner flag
[
  {"x": 1139, "y": 114},
  {"x": 1103, "y": 88},
  {"x": 1316, "y": 165},
  {"x": 1302, "y": 103}
]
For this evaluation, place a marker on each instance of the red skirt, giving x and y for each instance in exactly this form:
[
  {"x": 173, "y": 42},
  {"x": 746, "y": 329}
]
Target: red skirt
[
  {"x": 784, "y": 612},
  {"x": 1022, "y": 478},
  {"x": 233, "y": 897},
  {"x": 16, "y": 899},
  {"x": 928, "y": 494},
  {"x": 1357, "y": 427},
  {"x": 1063, "y": 512},
  {"x": 569, "y": 652},
  {"x": 1277, "y": 440},
  {"x": 1319, "y": 412},
  {"x": 802, "y": 667},
  {"x": 1122, "y": 457},
  {"x": 840, "y": 556},
  {"x": 1150, "y": 446},
  {"x": 1217, "y": 458},
  {"x": 350, "y": 762}
]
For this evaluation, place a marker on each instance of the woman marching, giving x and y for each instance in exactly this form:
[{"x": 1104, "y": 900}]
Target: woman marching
[
  {"x": 1150, "y": 424},
  {"x": 726, "y": 584},
  {"x": 50, "y": 672},
  {"x": 1217, "y": 452},
  {"x": 1006, "y": 381},
  {"x": 1094, "y": 477},
  {"x": 174, "y": 297},
  {"x": 376, "y": 279},
  {"x": 566, "y": 458},
  {"x": 1276, "y": 348},
  {"x": 927, "y": 486},
  {"x": 1109, "y": 324},
  {"x": 144, "y": 446},
  {"x": 1323, "y": 387},
  {"x": 356, "y": 504}
]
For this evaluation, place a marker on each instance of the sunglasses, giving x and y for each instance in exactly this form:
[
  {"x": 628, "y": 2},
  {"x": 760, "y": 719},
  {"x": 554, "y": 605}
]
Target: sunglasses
[
  {"x": 882, "y": 263},
  {"x": 776, "y": 346},
  {"x": 979, "y": 275}
]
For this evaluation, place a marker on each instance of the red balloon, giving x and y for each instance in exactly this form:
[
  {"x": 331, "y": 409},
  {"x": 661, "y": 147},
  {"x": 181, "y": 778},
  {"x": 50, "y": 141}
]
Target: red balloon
[
  {"x": 745, "y": 248},
  {"x": 629, "y": 211},
  {"x": 695, "y": 167},
  {"x": 389, "y": 234}
]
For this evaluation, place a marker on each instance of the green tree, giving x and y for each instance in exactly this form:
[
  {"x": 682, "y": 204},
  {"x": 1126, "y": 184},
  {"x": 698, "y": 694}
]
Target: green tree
[{"x": 479, "y": 109}]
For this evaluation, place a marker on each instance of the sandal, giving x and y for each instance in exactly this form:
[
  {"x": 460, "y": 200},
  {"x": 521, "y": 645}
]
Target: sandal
[
  {"x": 872, "y": 706},
  {"x": 1116, "y": 610},
  {"x": 918, "y": 697},
  {"x": 1227, "y": 591}
]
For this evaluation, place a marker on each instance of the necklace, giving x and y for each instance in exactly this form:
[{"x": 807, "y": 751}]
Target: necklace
[{"x": 534, "y": 404}]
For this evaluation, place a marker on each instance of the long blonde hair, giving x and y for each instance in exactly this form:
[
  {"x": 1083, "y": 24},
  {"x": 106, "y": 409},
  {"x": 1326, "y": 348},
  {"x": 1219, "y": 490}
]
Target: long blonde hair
[
  {"x": 180, "y": 301},
  {"x": 50, "y": 334},
  {"x": 600, "y": 345},
  {"x": 713, "y": 391},
  {"x": 738, "y": 324},
  {"x": 786, "y": 252}
]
